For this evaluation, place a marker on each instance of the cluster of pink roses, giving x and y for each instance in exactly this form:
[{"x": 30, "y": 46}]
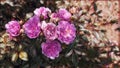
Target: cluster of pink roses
[{"x": 65, "y": 31}]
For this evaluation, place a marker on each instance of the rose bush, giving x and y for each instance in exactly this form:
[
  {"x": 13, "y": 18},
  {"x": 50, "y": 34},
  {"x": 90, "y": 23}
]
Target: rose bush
[
  {"x": 66, "y": 34},
  {"x": 65, "y": 31}
]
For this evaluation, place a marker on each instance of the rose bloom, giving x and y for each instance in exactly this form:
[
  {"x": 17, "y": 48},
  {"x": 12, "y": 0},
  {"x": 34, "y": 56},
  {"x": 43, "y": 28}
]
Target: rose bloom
[
  {"x": 54, "y": 17},
  {"x": 51, "y": 49},
  {"x": 32, "y": 27},
  {"x": 50, "y": 31},
  {"x": 13, "y": 28},
  {"x": 42, "y": 11},
  {"x": 66, "y": 32},
  {"x": 63, "y": 14}
]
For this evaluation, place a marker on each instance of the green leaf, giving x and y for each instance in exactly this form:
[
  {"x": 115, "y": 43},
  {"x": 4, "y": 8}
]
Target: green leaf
[
  {"x": 75, "y": 60},
  {"x": 70, "y": 47},
  {"x": 85, "y": 38},
  {"x": 95, "y": 6}
]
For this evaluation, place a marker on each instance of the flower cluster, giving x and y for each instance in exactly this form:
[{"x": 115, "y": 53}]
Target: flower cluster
[
  {"x": 65, "y": 31},
  {"x": 71, "y": 34}
]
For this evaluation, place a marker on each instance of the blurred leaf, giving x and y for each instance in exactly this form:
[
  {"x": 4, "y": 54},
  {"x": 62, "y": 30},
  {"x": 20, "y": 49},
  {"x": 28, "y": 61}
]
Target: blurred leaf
[
  {"x": 113, "y": 21},
  {"x": 1, "y": 39},
  {"x": 103, "y": 30},
  {"x": 87, "y": 32},
  {"x": 14, "y": 57},
  {"x": 20, "y": 47},
  {"x": 1, "y": 57},
  {"x": 118, "y": 29},
  {"x": 70, "y": 47},
  {"x": 25, "y": 66},
  {"x": 85, "y": 38},
  {"x": 23, "y": 56},
  {"x": 69, "y": 53},
  {"x": 32, "y": 52},
  {"x": 95, "y": 6},
  {"x": 101, "y": 45},
  {"x": 75, "y": 59},
  {"x": 78, "y": 52},
  {"x": 98, "y": 12},
  {"x": 92, "y": 53}
]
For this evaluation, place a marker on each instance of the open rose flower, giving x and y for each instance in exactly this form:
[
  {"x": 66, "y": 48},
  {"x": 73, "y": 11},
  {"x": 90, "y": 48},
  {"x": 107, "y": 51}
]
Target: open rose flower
[
  {"x": 66, "y": 32},
  {"x": 42, "y": 11},
  {"x": 54, "y": 17},
  {"x": 13, "y": 28},
  {"x": 32, "y": 27},
  {"x": 51, "y": 49},
  {"x": 50, "y": 31},
  {"x": 63, "y": 14}
]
